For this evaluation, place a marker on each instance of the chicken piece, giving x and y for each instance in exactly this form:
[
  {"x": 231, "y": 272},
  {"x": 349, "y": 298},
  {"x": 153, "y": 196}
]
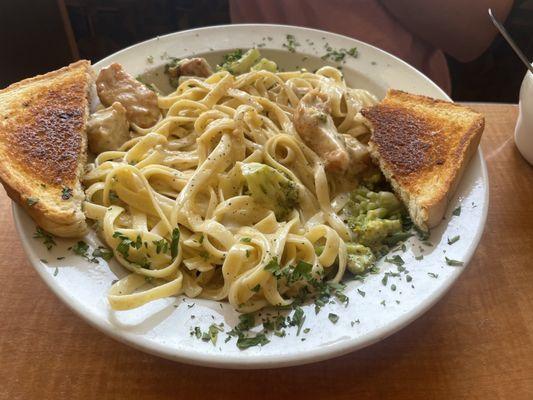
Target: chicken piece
[
  {"x": 359, "y": 155},
  {"x": 114, "y": 84},
  {"x": 191, "y": 67},
  {"x": 108, "y": 129},
  {"x": 315, "y": 126}
]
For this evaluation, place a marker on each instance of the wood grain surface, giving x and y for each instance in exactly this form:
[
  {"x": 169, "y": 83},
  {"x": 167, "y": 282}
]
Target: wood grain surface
[{"x": 476, "y": 343}]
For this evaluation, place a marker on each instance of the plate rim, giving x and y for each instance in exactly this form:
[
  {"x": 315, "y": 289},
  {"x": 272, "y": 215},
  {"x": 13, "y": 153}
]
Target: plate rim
[{"x": 258, "y": 361}]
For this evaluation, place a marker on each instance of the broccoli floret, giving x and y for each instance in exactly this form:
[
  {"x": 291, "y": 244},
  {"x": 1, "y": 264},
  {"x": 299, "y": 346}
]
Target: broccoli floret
[
  {"x": 360, "y": 258},
  {"x": 266, "y": 65},
  {"x": 373, "y": 215},
  {"x": 270, "y": 188},
  {"x": 238, "y": 63}
]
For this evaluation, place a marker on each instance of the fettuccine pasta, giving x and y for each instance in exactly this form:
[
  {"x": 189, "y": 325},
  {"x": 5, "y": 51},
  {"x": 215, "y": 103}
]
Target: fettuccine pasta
[{"x": 176, "y": 204}]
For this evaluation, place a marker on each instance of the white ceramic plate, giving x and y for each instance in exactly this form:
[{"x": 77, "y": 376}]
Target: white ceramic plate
[{"x": 163, "y": 327}]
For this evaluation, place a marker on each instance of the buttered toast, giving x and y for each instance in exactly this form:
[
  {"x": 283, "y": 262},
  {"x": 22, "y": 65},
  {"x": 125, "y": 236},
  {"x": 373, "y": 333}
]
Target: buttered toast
[
  {"x": 43, "y": 146},
  {"x": 423, "y": 145}
]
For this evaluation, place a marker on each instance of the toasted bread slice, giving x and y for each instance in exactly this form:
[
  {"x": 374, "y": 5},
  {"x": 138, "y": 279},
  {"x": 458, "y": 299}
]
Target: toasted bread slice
[
  {"x": 43, "y": 146},
  {"x": 423, "y": 145}
]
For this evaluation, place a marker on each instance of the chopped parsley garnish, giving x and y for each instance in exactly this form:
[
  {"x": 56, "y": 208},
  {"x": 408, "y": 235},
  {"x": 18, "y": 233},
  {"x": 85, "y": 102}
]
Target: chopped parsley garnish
[
  {"x": 175, "y": 239},
  {"x": 453, "y": 239},
  {"x": 161, "y": 246},
  {"x": 273, "y": 267},
  {"x": 457, "y": 211},
  {"x": 433, "y": 275},
  {"x": 244, "y": 342},
  {"x": 340, "y": 54},
  {"x": 231, "y": 57},
  {"x": 363, "y": 294},
  {"x": 396, "y": 260},
  {"x": 103, "y": 253},
  {"x": 80, "y": 248},
  {"x": 454, "y": 263},
  {"x": 211, "y": 334},
  {"x": 333, "y": 317},
  {"x": 124, "y": 245},
  {"x": 408, "y": 278},
  {"x": 56, "y": 271},
  {"x": 66, "y": 193},
  {"x": 298, "y": 319},
  {"x": 48, "y": 239},
  {"x": 393, "y": 287},
  {"x": 420, "y": 257},
  {"x": 246, "y": 240},
  {"x": 196, "y": 332},
  {"x": 31, "y": 201},
  {"x": 256, "y": 288},
  {"x": 291, "y": 43},
  {"x": 301, "y": 270}
]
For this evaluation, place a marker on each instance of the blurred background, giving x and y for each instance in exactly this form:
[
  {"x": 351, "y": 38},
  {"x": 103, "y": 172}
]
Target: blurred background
[{"x": 38, "y": 36}]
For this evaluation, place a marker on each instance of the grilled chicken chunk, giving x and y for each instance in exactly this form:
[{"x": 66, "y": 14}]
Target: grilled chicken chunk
[
  {"x": 108, "y": 129},
  {"x": 114, "y": 84},
  {"x": 191, "y": 67},
  {"x": 315, "y": 126}
]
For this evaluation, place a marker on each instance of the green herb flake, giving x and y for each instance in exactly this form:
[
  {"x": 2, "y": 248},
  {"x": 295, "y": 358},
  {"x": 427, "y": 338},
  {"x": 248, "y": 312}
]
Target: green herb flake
[
  {"x": 453, "y": 239},
  {"x": 363, "y": 294},
  {"x": 66, "y": 193},
  {"x": 244, "y": 342},
  {"x": 48, "y": 239},
  {"x": 256, "y": 288},
  {"x": 408, "y": 278},
  {"x": 420, "y": 257},
  {"x": 457, "y": 211},
  {"x": 103, "y": 253},
  {"x": 246, "y": 240},
  {"x": 174, "y": 242},
  {"x": 213, "y": 331},
  {"x": 333, "y": 317},
  {"x": 396, "y": 260},
  {"x": 273, "y": 267},
  {"x": 80, "y": 248},
  {"x": 298, "y": 319},
  {"x": 393, "y": 287},
  {"x": 454, "y": 263},
  {"x": 56, "y": 271},
  {"x": 197, "y": 332},
  {"x": 161, "y": 246},
  {"x": 433, "y": 275},
  {"x": 31, "y": 201},
  {"x": 291, "y": 43}
]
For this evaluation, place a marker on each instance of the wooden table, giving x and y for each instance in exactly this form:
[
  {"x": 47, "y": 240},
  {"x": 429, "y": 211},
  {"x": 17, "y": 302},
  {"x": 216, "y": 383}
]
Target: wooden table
[{"x": 476, "y": 343}]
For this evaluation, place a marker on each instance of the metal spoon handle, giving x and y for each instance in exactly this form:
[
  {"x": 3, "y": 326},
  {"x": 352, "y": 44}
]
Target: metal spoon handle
[{"x": 511, "y": 42}]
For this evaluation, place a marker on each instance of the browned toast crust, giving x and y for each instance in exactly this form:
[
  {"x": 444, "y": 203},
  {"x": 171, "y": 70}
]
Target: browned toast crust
[
  {"x": 423, "y": 145},
  {"x": 43, "y": 145}
]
